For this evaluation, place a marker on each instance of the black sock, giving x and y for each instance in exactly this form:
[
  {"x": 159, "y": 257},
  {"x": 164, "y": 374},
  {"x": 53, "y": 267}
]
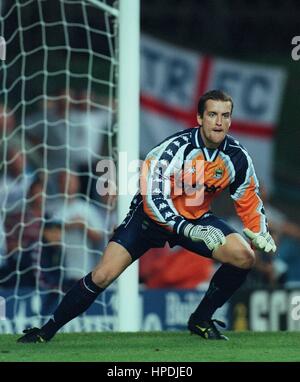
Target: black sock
[
  {"x": 224, "y": 283},
  {"x": 75, "y": 302}
]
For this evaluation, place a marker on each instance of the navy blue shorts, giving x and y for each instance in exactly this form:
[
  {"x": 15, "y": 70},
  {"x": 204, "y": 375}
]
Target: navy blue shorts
[{"x": 138, "y": 233}]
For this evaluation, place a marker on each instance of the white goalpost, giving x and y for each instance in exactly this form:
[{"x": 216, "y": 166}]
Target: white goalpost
[
  {"x": 69, "y": 98},
  {"x": 129, "y": 76}
]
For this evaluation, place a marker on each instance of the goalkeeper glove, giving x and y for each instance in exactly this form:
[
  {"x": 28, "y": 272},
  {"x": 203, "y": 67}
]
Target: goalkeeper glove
[
  {"x": 212, "y": 237},
  {"x": 261, "y": 240}
]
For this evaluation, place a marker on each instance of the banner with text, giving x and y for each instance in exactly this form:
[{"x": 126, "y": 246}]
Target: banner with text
[{"x": 172, "y": 80}]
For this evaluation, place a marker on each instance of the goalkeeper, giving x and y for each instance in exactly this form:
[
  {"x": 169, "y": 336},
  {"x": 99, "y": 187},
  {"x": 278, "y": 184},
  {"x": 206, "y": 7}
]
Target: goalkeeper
[{"x": 160, "y": 214}]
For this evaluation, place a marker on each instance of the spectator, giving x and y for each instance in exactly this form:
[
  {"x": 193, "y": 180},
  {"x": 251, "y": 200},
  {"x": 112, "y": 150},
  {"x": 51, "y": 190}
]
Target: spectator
[
  {"x": 15, "y": 181},
  {"x": 90, "y": 127},
  {"x": 7, "y": 121},
  {"x": 287, "y": 234},
  {"x": 49, "y": 127},
  {"x": 82, "y": 228},
  {"x": 25, "y": 238},
  {"x": 7, "y": 124},
  {"x": 71, "y": 131}
]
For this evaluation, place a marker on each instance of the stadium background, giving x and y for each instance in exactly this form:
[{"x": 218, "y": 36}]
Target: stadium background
[{"x": 229, "y": 29}]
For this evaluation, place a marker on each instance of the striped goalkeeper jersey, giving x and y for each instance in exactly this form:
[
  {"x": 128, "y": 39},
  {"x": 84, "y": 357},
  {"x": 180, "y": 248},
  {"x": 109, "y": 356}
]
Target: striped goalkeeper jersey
[{"x": 181, "y": 177}]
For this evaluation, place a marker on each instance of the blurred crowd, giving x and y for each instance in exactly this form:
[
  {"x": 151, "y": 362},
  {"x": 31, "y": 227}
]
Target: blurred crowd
[
  {"x": 54, "y": 225},
  {"x": 283, "y": 268}
]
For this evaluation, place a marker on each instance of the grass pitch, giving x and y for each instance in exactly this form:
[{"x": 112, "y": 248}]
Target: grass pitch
[{"x": 155, "y": 347}]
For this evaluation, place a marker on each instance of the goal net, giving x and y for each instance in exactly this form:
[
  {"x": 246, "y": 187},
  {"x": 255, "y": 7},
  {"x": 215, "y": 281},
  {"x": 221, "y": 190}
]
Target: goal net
[{"x": 58, "y": 119}]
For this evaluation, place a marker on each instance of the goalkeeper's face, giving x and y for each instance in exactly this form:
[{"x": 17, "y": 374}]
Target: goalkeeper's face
[{"x": 215, "y": 122}]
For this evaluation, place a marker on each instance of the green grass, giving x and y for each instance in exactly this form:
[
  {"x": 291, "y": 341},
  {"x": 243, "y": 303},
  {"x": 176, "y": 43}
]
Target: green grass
[{"x": 155, "y": 347}]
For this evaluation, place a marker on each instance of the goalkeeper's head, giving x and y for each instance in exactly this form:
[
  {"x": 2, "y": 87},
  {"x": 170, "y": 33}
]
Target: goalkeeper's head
[
  {"x": 214, "y": 117},
  {"x": 214, "y": 95}
]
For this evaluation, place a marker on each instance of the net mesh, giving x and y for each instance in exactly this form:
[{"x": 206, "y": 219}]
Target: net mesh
[{"x": 57, "y": 121}]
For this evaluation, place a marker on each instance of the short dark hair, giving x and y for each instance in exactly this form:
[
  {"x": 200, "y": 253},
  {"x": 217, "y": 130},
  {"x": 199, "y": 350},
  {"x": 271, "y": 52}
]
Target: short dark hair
[{"x": 216, "y": 95}]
